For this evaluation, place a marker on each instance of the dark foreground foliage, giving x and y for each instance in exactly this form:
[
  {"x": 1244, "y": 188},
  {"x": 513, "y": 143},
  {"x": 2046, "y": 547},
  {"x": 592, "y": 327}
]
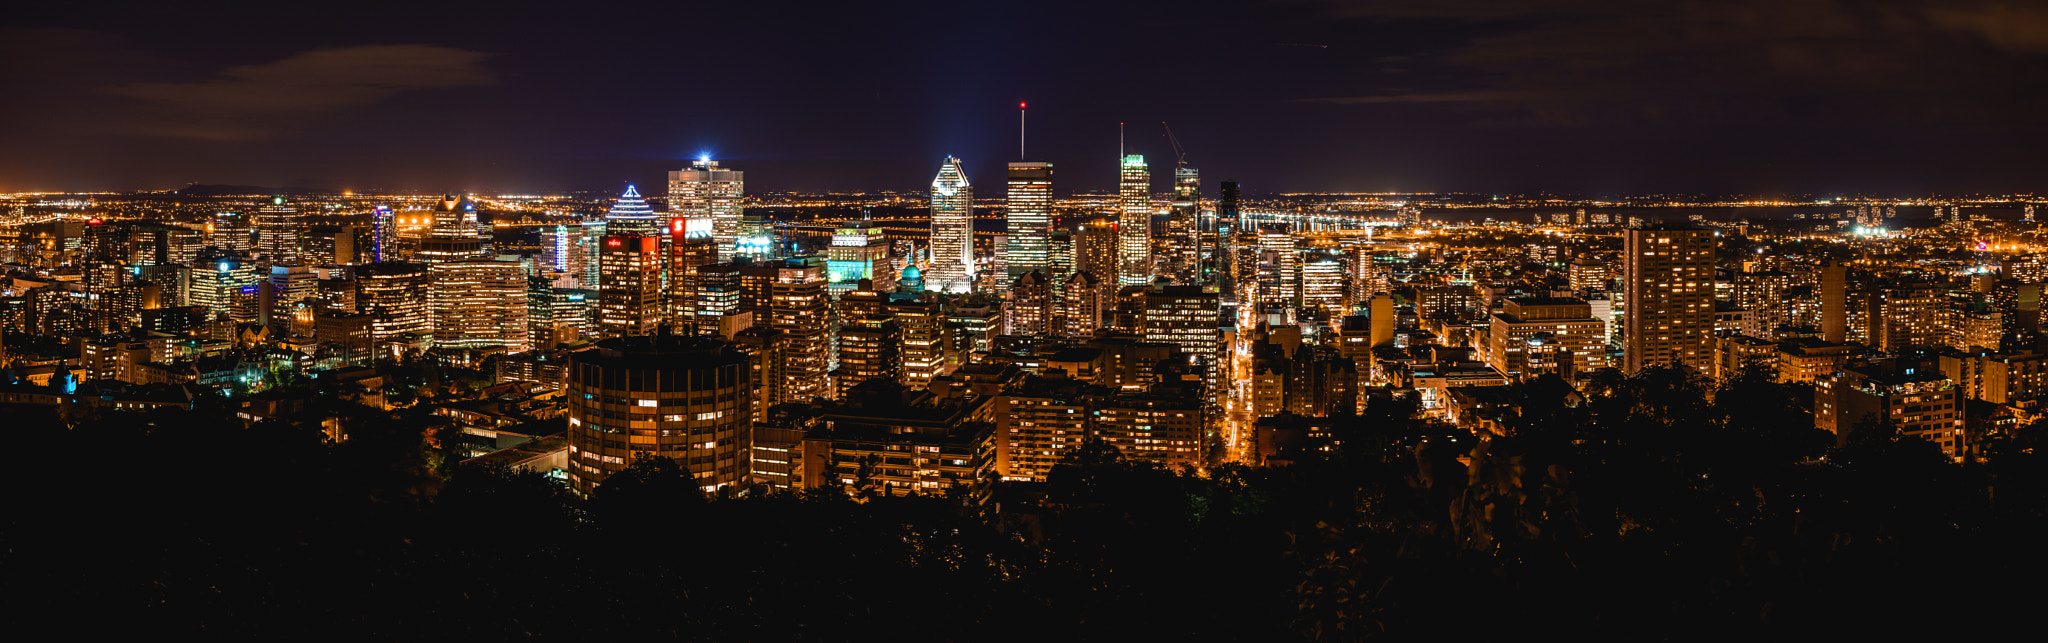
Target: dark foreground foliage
[{"x": 1653, "y": 507}]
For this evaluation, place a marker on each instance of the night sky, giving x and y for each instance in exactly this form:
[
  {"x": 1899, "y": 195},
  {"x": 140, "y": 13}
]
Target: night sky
[{"x": 1597, "y": 97}]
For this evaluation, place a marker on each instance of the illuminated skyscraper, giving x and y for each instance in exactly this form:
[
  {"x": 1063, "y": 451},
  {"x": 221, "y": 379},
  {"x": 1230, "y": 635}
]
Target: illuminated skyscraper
[
  {"x": 952, "y": 267},
  {"x": 1224, "y": 254},
  {"x": 629, "y": 286},
  {"x": 476, "y": 304},
  {"x": 706, "y": 191},
  {"x": 1183, "y": 227},
  {"x": 383, "y": 234},
  {"x": 561, "y": 250},
  {"x": 691, "y": 248},
  {"x": 394, "y": 294},
  {"x": 632, "y": 215},
  {"x": 860, "y": 251},
  {"x": 685, "y": 398},
  {"x": 230, "y": 231},
  {"x": 1029, "y": 219},
  {"x": 278, "y": 225},
  {"x": 1134, "y": 223},
  {"x": 220, "y": 278},
  {"x": 790, "y": 297},
  {"x": 455, "y": 235},
  {"x": 1668, "y": 282}
]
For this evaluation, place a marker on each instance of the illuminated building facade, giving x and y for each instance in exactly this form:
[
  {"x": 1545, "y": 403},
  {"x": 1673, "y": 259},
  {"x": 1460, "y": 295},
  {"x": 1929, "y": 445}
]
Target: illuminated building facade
[
  {"x": 712, "y": 193},
  {"x": 1029, "y": 220},
  {"x": 870, "y": 341},
  {"x": 683, "y": 398},
  {"x": 221, "y": 280},
  {"x": 1325, "y": 291},
  {"x": 952, "y": 237},
  {"x": 1668, "y": 281},
  {"x": 1919, "y": 399},
  {"x": 860, "y": 251},
  {"x": 1134, "y": 223},
  {"x": 1031, "y": 307},
  {"x": 1084, "y": 303},
  {"x": 1537, "y": 335},
  {"x": 1183, "y": 230},
  {"x": 629, "y": 285},
  {"x": 1095, "y": 242},
  {"x": 475, "y": 304},
  {"x": 278, "y": 225},
  {"x": 394, "y": 295},
  {"x": 790, "y": 297},
  {"x": 927, "y": 340},
  {"x": 383, "y": 234},
  {"x": 691, "y": 249}
]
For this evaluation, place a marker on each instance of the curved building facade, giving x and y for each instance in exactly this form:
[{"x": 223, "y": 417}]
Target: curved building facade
[{"x": 685, "y": 398}]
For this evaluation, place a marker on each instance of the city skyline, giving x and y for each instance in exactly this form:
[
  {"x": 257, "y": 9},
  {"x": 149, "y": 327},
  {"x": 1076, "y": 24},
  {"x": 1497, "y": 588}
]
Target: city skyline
[{"x": 1381, "y": 319}]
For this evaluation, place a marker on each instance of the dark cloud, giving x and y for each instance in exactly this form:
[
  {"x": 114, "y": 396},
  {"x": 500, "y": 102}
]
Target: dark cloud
[
  {"x": 250, "y": 101},
  {"x": 1580, "y": 62}
]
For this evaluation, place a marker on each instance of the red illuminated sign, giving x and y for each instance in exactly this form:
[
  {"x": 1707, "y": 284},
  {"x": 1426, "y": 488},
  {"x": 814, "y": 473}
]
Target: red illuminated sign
[
  {"x": 94, "y": 221},
  {"x": 611, "y": 242}
]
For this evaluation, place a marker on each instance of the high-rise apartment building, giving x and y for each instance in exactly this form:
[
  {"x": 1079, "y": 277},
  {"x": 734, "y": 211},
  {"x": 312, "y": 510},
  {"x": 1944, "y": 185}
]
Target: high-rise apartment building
[
  {"x": 1031, "y": 308},
  {"x": 1095, "y": 243},
  {"x": 1084, "y": 302},
  {"x": 629, "y": 298},
  {"x": 1185, "y": 316},
  {"x": 790, "y": 297},
  {"x": 952, "y": 262},
  {"x": 1668, "y": 278},
  {"x": 707, "y": 191},
  {"x": 1134, "y": 223},
  {"x": 477, "y": 304},
  {"x": 1222, "y": 258},
  {"x": 1029, "y": 236},
  {"x": 1907, "y": 315},
  {"x": 870, "y": 341},
  {"x": 927, "y": 340}
]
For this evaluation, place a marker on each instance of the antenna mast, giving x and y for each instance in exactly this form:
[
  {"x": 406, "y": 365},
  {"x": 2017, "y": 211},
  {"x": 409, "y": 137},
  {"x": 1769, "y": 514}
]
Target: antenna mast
[{"x": 1020, "y": 131}]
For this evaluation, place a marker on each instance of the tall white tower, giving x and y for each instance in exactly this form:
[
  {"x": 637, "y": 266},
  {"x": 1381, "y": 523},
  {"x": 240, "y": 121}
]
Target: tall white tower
[{"x": 952, "y": 267}]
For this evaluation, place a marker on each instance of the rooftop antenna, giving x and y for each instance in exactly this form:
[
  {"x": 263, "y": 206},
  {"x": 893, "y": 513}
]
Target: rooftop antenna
[
  {"x": 1020, "y": 131},
  {"x": 1120, "y": 140}
]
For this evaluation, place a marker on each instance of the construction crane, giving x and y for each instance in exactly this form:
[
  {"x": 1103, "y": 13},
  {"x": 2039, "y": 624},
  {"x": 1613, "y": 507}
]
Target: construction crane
[{"x": 1180, "y": 157}]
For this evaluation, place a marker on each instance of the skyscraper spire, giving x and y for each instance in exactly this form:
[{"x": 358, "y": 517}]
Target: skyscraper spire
[
  {"x": 631, "y": 215},
  {"x": 1020, "y": 131}
]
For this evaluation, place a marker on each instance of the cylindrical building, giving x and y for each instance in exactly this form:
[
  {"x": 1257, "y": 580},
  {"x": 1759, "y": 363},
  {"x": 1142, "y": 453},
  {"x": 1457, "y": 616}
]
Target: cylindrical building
[{"x": 686, "y": 398}]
